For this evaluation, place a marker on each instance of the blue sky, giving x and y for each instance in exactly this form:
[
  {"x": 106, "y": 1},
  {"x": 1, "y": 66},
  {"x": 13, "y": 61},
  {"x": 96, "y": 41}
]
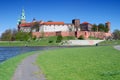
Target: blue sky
[{"x": 92, "y": 11}]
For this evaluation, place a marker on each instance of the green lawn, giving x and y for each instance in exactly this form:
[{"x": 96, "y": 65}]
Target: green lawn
[
  {"x": 87, "y": 63},
  {"x": 42, "y": 42},
  {"x": 113, "y": 42},
  {"x": 8, "y": 67},
  {"x": 46, "y": 41}
]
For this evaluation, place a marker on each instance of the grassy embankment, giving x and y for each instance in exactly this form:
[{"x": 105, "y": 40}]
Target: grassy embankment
[
  {"x": 8, "y": 67},
  {"x": 88, "y": 63},
  {"x": 113, "y": 42},
  {"x": 46, "y": 41}
]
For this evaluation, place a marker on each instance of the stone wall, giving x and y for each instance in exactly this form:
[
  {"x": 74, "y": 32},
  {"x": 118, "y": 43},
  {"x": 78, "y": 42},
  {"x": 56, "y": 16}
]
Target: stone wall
[
  {"x": 86, "y": 34},
  {"x": 44, "y": 34},
  {"x": 68, "y": 33}
]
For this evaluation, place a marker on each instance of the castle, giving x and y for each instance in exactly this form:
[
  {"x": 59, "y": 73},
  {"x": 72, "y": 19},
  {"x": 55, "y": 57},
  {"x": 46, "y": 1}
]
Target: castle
[{"x": 52, "y": 28}]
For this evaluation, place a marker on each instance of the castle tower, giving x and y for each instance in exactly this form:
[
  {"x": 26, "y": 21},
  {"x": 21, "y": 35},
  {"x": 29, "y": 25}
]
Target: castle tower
[
  {"x": 108, "y": 26},
  {"x": 23, "y": 19},
  {"x": 76, "y": 23}
]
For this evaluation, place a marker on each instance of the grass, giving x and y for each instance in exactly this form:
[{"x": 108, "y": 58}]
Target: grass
[
  {"x": 88, "y": 63},
  {"x": 46, "y": 41},
  {"x": 38, "y": 42},
  {"x": 113, "y": 42},
  {"x": 12, "y": 43},
  {"x": 93, "y": 38},
  {"x": 8, "y": 67}
]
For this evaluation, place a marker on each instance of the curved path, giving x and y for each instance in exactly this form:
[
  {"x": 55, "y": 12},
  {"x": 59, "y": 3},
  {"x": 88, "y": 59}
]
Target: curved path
[
  {"x": 117, "y": 47},
  {"x": 28, "y": 70}
]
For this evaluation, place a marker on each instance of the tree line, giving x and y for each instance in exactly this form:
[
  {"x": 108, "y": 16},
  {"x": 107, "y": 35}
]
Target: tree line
[
  {"x": 100, "y": 27},
  {"x": 14, "y": 35}
]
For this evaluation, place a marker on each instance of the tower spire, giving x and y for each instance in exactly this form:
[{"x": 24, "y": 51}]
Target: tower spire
[
  {"x": 23, "y": 18},
  {"x": 23, "y": 15}
]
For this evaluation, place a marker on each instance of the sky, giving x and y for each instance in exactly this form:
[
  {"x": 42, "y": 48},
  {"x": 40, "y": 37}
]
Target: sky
[{"x": 92, "y": 11}]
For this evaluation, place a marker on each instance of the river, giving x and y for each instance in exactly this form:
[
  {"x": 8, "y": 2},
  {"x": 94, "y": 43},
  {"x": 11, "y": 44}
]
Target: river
[{"x": 8, "y": 52}]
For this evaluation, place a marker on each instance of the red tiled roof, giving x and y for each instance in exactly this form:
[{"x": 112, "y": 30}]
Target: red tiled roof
[
  {"x": 53, "y": 23},
  {"x": 85, "y": 23},
  {"x": 25, "y": 25},
  {"x": 44, "y": 23}
]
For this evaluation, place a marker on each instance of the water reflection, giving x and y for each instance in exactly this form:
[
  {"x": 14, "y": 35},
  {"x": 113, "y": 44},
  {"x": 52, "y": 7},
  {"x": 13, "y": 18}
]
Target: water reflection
[{"x": 8, "y": 52}]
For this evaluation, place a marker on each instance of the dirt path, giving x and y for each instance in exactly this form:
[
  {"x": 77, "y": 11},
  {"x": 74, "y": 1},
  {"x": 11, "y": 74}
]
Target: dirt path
[
  {"x": 28, "y": 70},
  {"x": 117, "y": 47}
]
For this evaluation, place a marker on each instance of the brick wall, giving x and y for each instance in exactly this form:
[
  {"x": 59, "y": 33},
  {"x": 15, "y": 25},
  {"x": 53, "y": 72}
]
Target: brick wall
[
  {"x": 46, "y": 34},
  {"x": 68, "y": 33},
  {"x": 86, "y": 34}
]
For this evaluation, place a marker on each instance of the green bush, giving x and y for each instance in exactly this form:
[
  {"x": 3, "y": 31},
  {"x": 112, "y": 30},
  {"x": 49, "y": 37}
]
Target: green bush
[
  {"x": 22, "y": 36},
  {"x": 81, "y": 37},
  {"x": 34, "y": 38},
  {"x": 50, "y": 41},
  {"x": 59, "y": 39}
]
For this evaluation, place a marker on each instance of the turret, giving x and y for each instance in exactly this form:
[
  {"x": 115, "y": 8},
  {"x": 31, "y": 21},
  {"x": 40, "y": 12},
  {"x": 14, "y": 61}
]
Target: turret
[
  {"x": 76, "y": 23},
  {"x": 108, "y": 26},
  {"x": 21, "y": 20}
]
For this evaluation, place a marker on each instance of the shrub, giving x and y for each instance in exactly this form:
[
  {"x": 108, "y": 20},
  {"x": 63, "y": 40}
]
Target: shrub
[
  {"x": 81, "y": 37},
  {"x": 34, "y": 38},
  {"x": 59, "y": 39},
  {"x": 50, "y": 41},
  {"x": 22, "y": 36}
]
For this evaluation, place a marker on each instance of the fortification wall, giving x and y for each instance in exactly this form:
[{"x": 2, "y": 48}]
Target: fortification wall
[{"x": 86, "y": 34}]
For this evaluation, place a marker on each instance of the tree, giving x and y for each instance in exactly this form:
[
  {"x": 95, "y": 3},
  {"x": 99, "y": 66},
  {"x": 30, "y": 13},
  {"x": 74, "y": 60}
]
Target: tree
[
  {"x": 22, "y": 36},
  {"x": 7, "y": 35},
  {"x": 94, "y": 27},
  {"x": 116, "y": 34},
  {"x": 101, "y": 27},
  {"x": 13, "y": 34}
]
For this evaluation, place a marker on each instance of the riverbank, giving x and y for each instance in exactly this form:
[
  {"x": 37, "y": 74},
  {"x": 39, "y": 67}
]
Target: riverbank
[
  {"x": 8, "y": 67},
  {"x": 71, "y": 63},
  {"x": 48, "y": 43},
  {"x": 26, "y": 43}
]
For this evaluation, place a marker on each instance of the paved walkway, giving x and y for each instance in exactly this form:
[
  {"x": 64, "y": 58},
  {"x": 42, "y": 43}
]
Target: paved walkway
[
  {"x": 117, "y": 47},
  {"x": 82, "y": 42},
  {"x": 28, "y": 70}
]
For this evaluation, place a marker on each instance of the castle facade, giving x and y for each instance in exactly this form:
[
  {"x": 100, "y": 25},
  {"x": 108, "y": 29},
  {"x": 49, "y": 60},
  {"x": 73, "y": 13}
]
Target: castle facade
[{"x": 51, "y": 28}]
